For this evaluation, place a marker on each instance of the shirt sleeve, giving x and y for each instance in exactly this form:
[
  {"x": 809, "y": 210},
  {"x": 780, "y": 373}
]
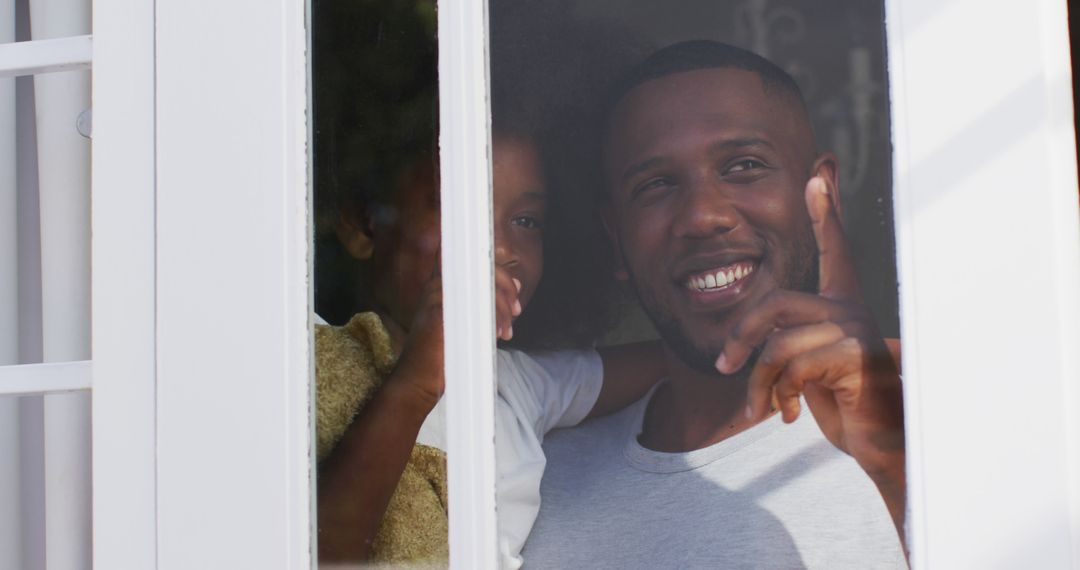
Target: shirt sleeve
[{"x": 563, "y": 384}]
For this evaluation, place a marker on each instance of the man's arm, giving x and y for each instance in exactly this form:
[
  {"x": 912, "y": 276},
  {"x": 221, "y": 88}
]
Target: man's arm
[
  {"x": 826, "y": 348},
  {"x": 630, "y": 370}
]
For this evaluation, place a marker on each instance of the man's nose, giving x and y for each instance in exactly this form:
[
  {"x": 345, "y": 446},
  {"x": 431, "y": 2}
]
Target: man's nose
[{"x": 705, "y": 210}]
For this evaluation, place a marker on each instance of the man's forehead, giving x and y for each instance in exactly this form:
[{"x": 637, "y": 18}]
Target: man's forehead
[
  {"x": 695, "y": 91},
  {"x": 712, "y": 99}
]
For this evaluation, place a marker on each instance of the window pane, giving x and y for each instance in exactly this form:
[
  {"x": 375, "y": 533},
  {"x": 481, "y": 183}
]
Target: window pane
[
  {"x": 381, "y": 480},
  {"x": 694, "y": 250}
]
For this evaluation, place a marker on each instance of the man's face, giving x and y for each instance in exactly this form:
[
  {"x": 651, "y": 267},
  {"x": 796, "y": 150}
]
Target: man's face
[{"x": 706, "y": 173}]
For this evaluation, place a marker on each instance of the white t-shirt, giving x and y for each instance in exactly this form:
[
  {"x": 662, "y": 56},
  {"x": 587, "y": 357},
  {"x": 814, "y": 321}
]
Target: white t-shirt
[
  {"x": 537, "y": 392},
  {"x": 772, "y": 496}
]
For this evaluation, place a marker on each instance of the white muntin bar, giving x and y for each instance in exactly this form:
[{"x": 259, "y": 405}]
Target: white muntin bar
[
  {"x": 45, "y": 56},
  {"x": 465, "y": 142},
  {"x": 53, "y": 378},
  {"x": 64, "y": 191}
]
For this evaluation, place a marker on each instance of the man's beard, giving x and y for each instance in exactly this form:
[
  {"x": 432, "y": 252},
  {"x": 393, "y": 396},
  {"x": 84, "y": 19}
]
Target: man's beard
[{"x": 801, "y": 274}]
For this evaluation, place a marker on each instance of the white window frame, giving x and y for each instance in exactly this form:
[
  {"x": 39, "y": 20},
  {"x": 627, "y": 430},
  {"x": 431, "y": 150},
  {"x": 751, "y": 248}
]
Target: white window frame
[
  {"x": 985, "y": 176},
  {"x": 233, "y": 296},
  {"x": 202, "y": 110},
  {"x": 201, "y": 330},
  {"x": 123, "y": 286}
]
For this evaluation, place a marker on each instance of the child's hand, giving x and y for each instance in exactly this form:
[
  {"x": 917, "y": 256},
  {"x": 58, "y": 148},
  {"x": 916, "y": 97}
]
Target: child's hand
[
  {"x": 507, "y": 304},
  {"x": 421, "y": 363}
]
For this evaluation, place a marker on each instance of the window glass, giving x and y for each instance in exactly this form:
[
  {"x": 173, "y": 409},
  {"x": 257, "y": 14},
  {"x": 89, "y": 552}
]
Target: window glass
[
  {"x": 378, "y": 359},
  {"x": 695, "y": 286}
]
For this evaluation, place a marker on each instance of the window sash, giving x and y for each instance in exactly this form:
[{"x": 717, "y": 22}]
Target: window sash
[{"x": 985, "y": 182}]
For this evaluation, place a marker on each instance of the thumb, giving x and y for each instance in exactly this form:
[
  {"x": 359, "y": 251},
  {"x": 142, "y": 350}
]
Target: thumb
[{"x": 836, "y": 273}]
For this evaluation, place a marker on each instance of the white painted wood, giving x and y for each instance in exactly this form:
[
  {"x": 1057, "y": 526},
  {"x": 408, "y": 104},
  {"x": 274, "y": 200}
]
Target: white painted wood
[
  {"x": 45, "y": 56},
  {"x": 987, "y": 241},
  {"x": 67, "y": 481},
  {"x": 234, "y": 453},
  {"x": 1060, "y": 151},
  {"x": 53, "y": 378},
  {"x": 64, "y": 186},
  {"x": 123, "y": 287},
  {"x": 465, "y": 143}
]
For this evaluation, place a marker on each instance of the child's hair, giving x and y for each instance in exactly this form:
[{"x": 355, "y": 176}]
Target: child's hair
[
  {"x": 375, "y": 117},
  {"x": 375, "y": 106},
  {"x": 549, "y": 72},
  {"x": 374, "y": 75}
]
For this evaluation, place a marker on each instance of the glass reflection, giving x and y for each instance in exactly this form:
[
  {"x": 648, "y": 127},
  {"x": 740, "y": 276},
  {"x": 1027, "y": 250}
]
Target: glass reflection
[
  {"x": 382, "y": 475},
  {"x": 702, "y": 162}
]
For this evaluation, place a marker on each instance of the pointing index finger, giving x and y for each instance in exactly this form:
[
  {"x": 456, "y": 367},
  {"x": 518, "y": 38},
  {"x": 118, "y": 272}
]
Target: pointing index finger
[{"x": 836, "y": 273}]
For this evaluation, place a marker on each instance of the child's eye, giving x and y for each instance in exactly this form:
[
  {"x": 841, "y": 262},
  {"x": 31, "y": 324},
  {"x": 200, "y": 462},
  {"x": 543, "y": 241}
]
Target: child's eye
[{"x": 528, "y": 222}]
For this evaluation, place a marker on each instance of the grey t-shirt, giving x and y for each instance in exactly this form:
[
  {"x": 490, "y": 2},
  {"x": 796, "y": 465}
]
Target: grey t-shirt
[{"x": 773, "y": 496}]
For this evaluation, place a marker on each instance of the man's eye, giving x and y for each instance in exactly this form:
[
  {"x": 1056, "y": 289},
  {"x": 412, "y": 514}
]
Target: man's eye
[
  {"x": 651, "y": 184},
  {"x": 528, "y": 222},
  {"x": 745, "y": 165}
]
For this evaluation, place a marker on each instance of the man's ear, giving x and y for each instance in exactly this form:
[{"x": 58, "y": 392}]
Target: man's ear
[
  {"x": 356, "y": 239},
  {"x": 827, "y": 166},
  {"x": 607, "y": 217}
]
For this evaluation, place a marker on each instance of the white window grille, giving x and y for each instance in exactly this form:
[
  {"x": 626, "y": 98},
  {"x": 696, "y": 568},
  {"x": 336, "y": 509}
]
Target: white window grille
[
  {"x": 465, "y": 143},
  {"x": 58, "y": 43}
]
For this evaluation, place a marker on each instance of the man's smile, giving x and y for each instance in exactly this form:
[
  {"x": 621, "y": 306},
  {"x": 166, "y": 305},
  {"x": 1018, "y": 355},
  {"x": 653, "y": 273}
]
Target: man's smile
[
  {"x": 719, "y": 278},
  {"x": 720, "y": 284}
]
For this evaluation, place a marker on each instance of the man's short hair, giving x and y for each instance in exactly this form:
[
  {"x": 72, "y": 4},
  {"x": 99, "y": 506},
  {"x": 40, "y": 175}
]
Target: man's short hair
[{"x": 703, "y": 54}]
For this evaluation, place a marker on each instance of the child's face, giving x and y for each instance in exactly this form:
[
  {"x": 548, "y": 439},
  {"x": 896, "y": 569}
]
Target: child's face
[
  {"x": 405, "y": 234},
  {"x": 520, "y": 206},
  {"x": 406, "y": 231}
]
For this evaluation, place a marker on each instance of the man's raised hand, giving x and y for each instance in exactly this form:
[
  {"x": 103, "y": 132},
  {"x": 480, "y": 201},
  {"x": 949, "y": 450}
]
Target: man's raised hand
[{"x": 826, "y": 348}]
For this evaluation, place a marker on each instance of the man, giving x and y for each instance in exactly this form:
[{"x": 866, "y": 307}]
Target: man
[{"x": 726, "y": 216}]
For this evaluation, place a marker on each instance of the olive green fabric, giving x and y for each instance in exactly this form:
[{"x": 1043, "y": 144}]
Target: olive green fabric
[{"x": 350, "y": 364}]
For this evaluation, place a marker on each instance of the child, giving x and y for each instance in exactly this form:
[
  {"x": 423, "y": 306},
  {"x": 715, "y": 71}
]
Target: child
[
  {"x": 382, "y": 489},
  {"x": 536, "y": 391}
]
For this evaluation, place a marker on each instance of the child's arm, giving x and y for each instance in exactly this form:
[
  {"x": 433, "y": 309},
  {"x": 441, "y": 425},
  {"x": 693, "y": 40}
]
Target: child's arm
[
  {"x": 357, "y": 480},
  {"x": 629, "y": 371}
]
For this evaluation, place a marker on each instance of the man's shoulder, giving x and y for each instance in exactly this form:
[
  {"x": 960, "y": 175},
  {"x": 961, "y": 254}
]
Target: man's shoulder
[
  {"x": 596, "y": 441},
  {"x": 785, "y": 495}
]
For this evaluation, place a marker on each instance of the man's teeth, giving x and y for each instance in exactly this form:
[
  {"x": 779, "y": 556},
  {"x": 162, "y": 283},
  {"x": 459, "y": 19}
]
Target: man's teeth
[{"x": 720, "y": 278}]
